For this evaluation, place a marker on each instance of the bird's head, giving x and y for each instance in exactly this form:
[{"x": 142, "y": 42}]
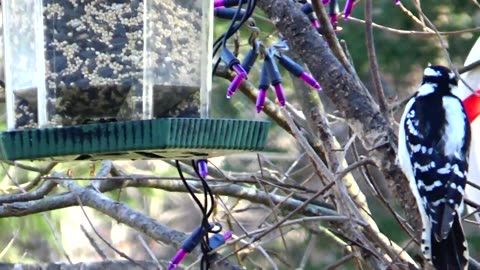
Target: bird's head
[{"x": 437, "y": 79}]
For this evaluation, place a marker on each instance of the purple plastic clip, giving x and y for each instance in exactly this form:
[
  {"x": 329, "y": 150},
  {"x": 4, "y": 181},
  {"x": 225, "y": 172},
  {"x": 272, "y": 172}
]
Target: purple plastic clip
[
  {"x": 262, "y": 95},
  {"x": 333, "y": 19},
  {"x": 279, "y": 92},
  {"x": 202, "y": 166},
  {"x": 310, "y": 81},
  {"x": 189, "y": 244},
  {"x": 241, "y": 75},
  {"x": 193, "y": 240},
  {"x": 218, "y": 3},
  {"x": 240, "y": 70},
  {"x": 297, "y": 70},
  {"x": 227, "y": 235},
  {"x": 348, "y": 9},
  {"x": 181, "y": 254},
  {"x": 225, "y": 3},
  {"x": 232, "y": 88}
]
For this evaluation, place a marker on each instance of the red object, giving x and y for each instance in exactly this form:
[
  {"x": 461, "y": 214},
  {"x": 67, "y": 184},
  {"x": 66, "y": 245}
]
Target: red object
[{"x": 472, "y": 106}]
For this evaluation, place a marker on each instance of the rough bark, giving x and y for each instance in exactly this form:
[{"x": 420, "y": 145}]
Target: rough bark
[{"x": 361, "y": 112}]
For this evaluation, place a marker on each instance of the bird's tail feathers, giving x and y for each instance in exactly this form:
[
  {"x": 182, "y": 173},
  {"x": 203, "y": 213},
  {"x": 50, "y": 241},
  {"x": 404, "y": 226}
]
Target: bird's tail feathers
[{"x": 450, "y": 253}]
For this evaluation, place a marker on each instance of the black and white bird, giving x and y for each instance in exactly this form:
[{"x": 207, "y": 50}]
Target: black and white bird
[{"x": 434, "y": 139}]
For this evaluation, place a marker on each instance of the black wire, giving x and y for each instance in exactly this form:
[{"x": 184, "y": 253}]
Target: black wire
[
  {"x": 207, "y": 190},
  {"x": 189, "y": 189},
  {"x": 204, "y": 245},
  {"x": 233, "y": 28},
  {"x": 224, "y": 37},
  {"x": 207, "y": 193}
]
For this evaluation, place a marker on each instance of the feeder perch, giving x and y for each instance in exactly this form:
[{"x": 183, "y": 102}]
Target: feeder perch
[{"x": 113, "y": 79}]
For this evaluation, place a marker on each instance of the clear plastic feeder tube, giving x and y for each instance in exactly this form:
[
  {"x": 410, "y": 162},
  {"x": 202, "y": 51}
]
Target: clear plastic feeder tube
[
  {"x": 178, "y": 58},
  {"x": 78, "y": 62},
  {"x": 23, "y": 56}
]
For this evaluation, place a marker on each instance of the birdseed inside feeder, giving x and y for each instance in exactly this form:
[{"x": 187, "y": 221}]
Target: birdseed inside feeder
[{"x": 71, "y": 62}]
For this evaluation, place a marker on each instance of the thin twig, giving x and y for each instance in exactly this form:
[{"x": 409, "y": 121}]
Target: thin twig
[
  {"x": 372, "y": 60},
  {"x": 230, "y": 215},
  {"x": 149, "y": 250},
  {"x": 330, "y": 35},
  {"x": 282, "y": 221},
  {"x": 229, "y": 180},
  {"x": 376, "y": 190},
  {"x": 58, "y": 243},
  {"x": 267, "y": 256},
  {"x": 293, "y": 222},
  {"x": 272, "y": 206},
  {"x": 123, "y": 255},
  {"x": 24, "y": 166},
  {"x": 469, "y": 67},
  {"x": 230, "y": 227},
  {"x": 418, "y": 7},
  {"x": 340, "y": 262},
  {"x": 414, "y": 18},
  {"x": 400, "y": 104},
  {"x": 475, "y": 2},
  {"x": 412, "y": 33},
  {"x": 22, "y": 188},
  {"x": 445, "y": 52},
  {"x": 308, "y": 251},
  {"x": 36, "y": 194},
  {"x": 94, "y": 244},
  {"x": 355, "y": 165},
  {"x": 9, "y": 245}
]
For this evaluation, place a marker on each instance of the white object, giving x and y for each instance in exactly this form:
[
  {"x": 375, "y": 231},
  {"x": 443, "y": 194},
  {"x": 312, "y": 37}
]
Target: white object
[{"x": 472, "y": 78}]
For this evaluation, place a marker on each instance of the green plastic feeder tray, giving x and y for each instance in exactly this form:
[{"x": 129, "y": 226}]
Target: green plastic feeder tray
[{"x": 166, "y": 138}]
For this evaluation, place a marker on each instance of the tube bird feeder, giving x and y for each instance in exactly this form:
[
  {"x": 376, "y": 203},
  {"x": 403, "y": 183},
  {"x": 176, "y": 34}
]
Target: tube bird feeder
[{"x": 120, "y": 79}]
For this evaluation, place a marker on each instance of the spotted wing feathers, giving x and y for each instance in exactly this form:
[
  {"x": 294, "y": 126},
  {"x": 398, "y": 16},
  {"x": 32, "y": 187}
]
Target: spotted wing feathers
[{"x": 438, "y": 158}]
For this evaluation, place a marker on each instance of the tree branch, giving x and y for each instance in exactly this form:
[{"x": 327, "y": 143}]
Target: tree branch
[
  {"x": 372, "y": 60},
  {"x": 360, "y": 112},
  {"x": 36, "y": 194},
  {"x": 135, "y": 219}
]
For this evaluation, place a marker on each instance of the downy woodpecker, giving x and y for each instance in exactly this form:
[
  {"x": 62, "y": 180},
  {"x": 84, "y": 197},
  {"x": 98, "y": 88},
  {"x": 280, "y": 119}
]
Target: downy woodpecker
[{"x": 434, "y": 139}]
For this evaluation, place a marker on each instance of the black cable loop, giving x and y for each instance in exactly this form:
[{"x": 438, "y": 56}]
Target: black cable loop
[
  {"x": 204, "y": 264},
  {"x": 233, "y": 28},
  {"x": 206, "y": 211}
]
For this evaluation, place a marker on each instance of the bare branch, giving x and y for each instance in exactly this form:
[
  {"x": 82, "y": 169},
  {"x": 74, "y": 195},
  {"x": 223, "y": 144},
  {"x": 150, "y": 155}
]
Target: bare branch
[
  {"x": 372, "y": 60},
  {"x": 351, "y": 99},
  {"x": 36, "y": 194},
  {"x": 122, "y": 254},
  {"x": 93, "y": 243},
  {"x": 340, "y": 262},
  {"x": 469, "y": 67},
  {"x": 330, "y": 36},
  {"x": 415, "y": 34},
  {"x": 122, "y": 213}
]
